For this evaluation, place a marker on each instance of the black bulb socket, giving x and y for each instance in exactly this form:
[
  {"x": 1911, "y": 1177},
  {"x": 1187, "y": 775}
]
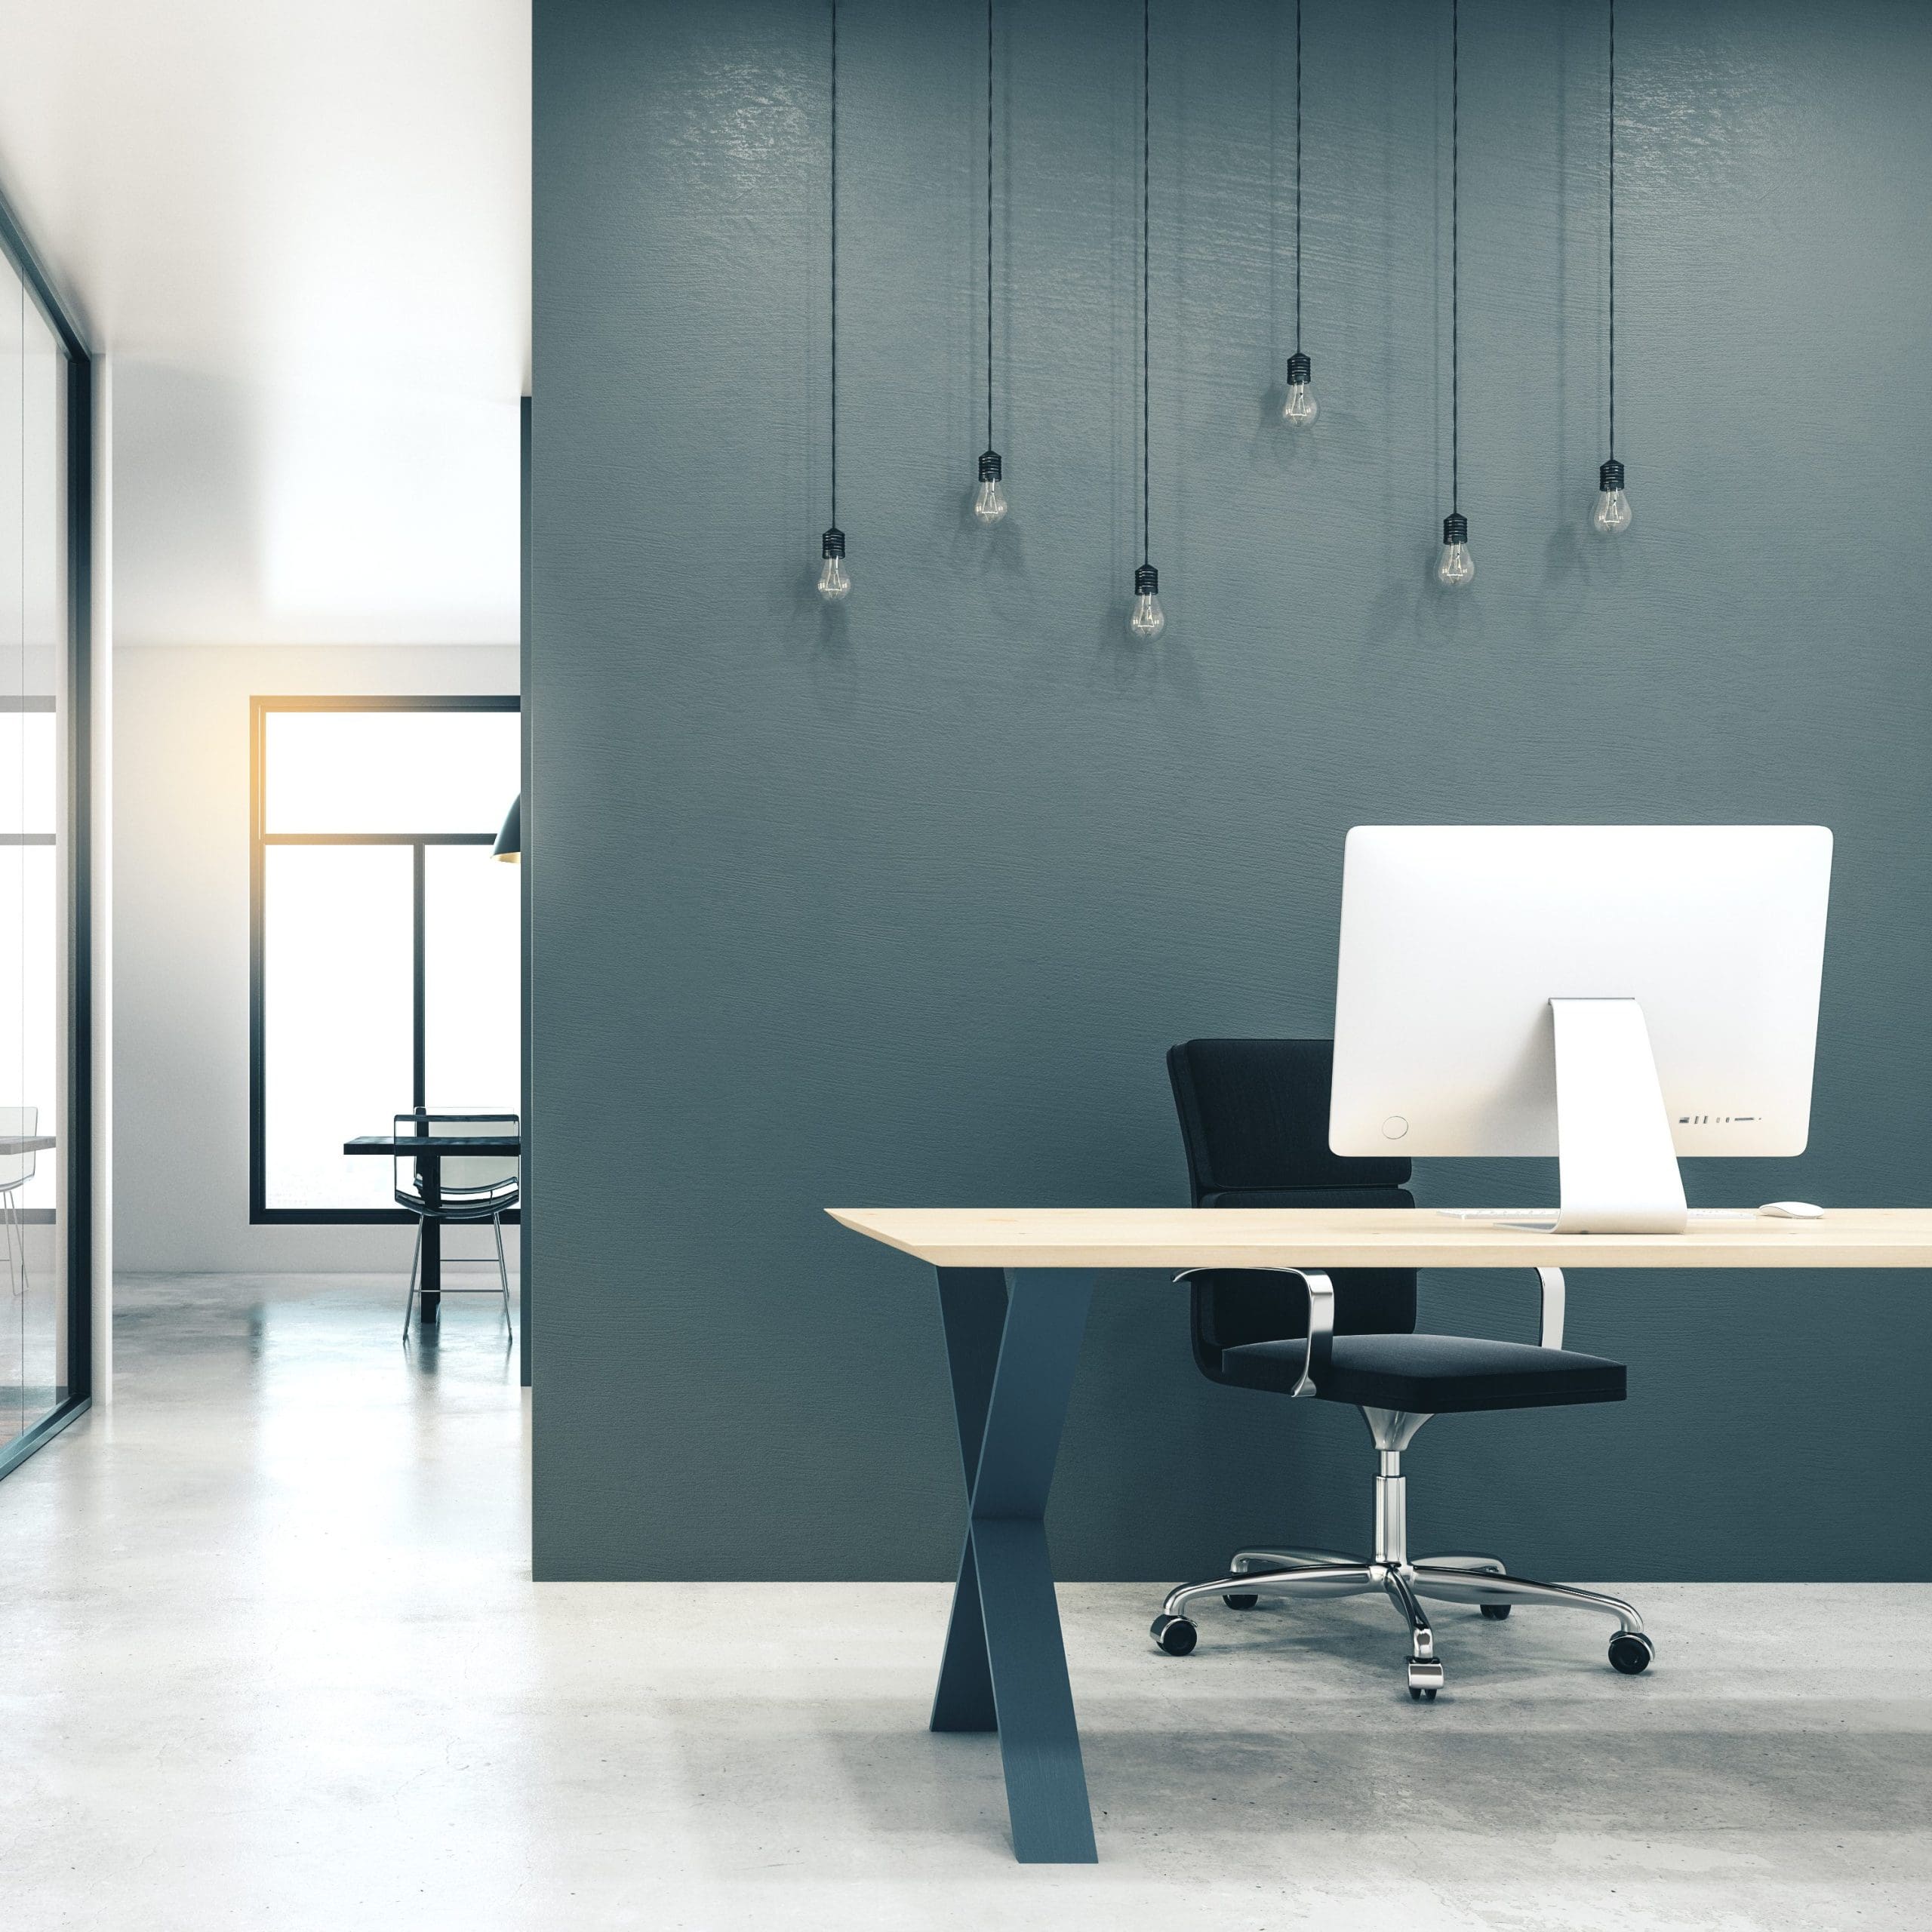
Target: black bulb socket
[
  {"x": 1610, "y": 476},
  {"x": 833, "y": 544},
  {"x": 1146, "y": 581},
  {"x": 1298, "y": 368},
  {"x": 1455, "y": 527},
  {"x": 990, "y": 471}
]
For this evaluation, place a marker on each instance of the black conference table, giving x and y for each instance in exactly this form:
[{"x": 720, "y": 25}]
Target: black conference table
[{"x": 428, "y": 1150}]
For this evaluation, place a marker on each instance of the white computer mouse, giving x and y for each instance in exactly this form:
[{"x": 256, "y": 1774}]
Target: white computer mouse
[{"x": 1793, "y": 1210}]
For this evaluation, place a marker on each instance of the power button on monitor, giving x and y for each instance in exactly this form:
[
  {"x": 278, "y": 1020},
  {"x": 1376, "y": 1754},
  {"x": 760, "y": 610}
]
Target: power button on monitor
[{"x": 1394, "y": 1127}]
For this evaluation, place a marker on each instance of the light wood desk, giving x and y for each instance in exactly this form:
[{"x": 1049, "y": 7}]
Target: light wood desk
[{"x": 1014, "y": 1288}]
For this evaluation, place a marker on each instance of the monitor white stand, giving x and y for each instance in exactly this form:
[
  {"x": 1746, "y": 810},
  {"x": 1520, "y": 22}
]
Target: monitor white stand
[{"x": 1616, "y": 1159}]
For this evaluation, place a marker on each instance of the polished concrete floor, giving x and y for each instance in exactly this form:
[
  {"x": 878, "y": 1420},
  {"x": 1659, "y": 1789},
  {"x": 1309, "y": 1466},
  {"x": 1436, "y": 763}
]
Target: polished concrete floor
[{"x": 272, "y": 1658}]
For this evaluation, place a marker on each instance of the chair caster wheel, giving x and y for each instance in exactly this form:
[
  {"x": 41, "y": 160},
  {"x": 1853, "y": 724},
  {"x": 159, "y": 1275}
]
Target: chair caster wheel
[
  {"x": 1174, "y": 1634},
  {"x": 1496, "y": 1612},
  {"x": 1243, "y": 1600},
  {"x": 1631, "y": 1652},
  {"x": 1425, "y": 1678}
]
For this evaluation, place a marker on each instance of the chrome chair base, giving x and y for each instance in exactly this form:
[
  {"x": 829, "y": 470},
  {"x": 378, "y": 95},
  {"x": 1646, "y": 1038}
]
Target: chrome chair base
[
  {"x": 1483, "y": 1581},
  {"x": 503, "y": 1272}
]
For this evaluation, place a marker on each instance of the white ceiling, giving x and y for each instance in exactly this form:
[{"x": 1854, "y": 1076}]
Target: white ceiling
[{"x": 302, "y": 232}]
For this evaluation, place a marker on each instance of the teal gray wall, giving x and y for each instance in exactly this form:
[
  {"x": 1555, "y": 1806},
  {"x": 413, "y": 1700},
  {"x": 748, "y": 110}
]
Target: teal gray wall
[{"x": 903, "y": 903}]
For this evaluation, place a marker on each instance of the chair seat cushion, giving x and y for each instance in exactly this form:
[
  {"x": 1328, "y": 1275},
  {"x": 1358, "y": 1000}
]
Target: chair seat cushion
[
  {"x": 1431, "y": 1374},
  {"x": 462, "y": 1203}
]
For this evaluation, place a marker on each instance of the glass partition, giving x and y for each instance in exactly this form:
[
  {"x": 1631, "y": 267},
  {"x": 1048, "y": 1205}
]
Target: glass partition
[{"x": 43, "y": 1334}]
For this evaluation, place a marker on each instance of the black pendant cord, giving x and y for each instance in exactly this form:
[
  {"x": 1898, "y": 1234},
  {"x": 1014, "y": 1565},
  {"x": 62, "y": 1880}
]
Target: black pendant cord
[
  {"x": 989, "y": 224},
  {"x": 1297, "y": 176},
  {"x": 1455, "y": 255},
  {"x": 1613, "y": 230},
  {"x": 834, "y": 264},
  {"x": 1146, "y": 176}
]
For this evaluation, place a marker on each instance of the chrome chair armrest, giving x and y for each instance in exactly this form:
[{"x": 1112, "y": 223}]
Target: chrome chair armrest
[
  {"x": 1551, "y": 1281},
  {"x": 1321, "y": 1317}
]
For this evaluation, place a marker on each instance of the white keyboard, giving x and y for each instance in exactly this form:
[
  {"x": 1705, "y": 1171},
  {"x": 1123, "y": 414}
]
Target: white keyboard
[{"x": 1550, "y": 1213}]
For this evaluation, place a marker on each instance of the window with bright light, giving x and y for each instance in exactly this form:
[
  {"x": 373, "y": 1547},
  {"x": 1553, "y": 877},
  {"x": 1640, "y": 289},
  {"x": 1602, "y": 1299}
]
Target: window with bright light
[{"x": 386, "y": 950}]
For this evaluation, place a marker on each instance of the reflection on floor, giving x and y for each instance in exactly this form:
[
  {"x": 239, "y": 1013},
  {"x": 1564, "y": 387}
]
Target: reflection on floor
[{"x": 270, "y": 1658}]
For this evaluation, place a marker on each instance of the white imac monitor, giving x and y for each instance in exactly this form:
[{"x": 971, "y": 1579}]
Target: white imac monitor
[{"x": 1615, "y": 995}]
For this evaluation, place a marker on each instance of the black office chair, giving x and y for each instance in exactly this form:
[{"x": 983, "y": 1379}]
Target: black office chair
[
  {"x": 458, "y": 1188},
  {"x": 1254, "y": 1115}
]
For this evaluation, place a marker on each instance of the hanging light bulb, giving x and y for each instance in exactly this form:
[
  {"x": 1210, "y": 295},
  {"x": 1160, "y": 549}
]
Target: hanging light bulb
[
  {"x": 1149, "y": 619},
  {"x": 990, "y": 501},
  {"x": 834, "y": 579},
  {"x": 1611, "y": 517},
  {"x": 1300, "y": 408},
  {"x": 1456, "y": 567}
]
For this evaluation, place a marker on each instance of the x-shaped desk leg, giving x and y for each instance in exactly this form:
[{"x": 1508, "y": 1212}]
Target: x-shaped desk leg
[{"x": 1012, "y": 1342}]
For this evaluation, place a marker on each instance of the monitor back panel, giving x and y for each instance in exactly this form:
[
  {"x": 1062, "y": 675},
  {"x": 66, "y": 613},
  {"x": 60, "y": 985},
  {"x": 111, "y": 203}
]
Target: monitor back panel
[{"x": 1455, "y": 939}]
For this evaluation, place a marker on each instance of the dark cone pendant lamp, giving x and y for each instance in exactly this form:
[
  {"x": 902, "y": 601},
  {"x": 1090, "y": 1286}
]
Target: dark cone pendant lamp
[
  {"x": 1147, "y": 620},
  {"x": 1611, "y": 516},
  {"x": 1299, "y": 408},
  {"x": 834, "y": 581},
  {"x": 1455, "y": 566},
  {"x": 508, "y": 847},
  {"x": 989, "y": 504}
]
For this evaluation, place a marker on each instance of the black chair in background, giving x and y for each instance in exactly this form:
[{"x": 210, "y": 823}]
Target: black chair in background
[
  {"x": 451, "y": 1189},
  {"x": 1254, "y": 1115}
]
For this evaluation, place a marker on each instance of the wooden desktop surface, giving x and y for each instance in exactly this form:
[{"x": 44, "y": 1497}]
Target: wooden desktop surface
[{"x": 1372, "y": 1237}]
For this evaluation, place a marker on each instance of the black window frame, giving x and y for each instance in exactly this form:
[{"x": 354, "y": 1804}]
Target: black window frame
[
  {"x": 76, "y": 1157},
  {"x": 260, "y": 1214}
]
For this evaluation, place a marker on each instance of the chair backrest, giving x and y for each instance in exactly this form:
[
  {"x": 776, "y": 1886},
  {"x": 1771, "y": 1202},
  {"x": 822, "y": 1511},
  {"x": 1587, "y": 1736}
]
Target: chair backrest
[
  {"x": 462, "y": 1177},
  {"x": 1254, "y": 1119},
  {"x": 17, "y": 1124}
]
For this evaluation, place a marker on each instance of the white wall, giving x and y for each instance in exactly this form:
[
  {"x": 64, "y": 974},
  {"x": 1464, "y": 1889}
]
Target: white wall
[{"x": 181, "y": 942}]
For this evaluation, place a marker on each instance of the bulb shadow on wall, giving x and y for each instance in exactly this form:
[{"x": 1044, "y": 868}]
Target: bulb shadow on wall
[
  {"x": 1295, "y": 451},
  {"x": 1121, "y": 666},
  {"x": 999, "y": 550},
  {"x": 818, "y": 637},
  {"x": 1575, "y": 560},
  {"x": 1415, "y": 609},
  {"x": 992, "y": 559},
  {"x": 1566, "y": 571}
]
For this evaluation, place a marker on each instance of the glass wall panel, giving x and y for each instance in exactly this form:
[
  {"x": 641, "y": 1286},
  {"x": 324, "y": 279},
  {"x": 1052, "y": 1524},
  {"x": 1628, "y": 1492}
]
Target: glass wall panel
[
  {"x": 29, "y": 756},
  {"x": 29, "y": 996},
  {"x": 35, "y": 912}
]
